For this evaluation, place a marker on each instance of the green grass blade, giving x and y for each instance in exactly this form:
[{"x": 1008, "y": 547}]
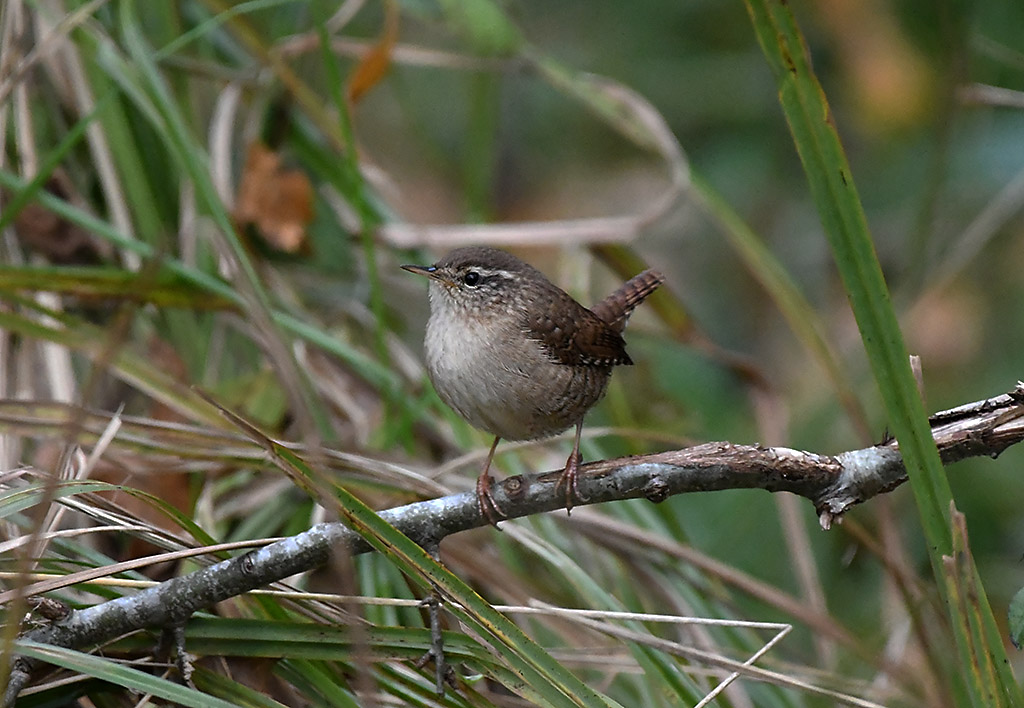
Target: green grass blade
[
  {"x": 174, "y": 131},
  {"x": 119, "y": 674},
  {"x": 138, "y": 370},
  {"x": 371, "y": 370},
  {"x": 558, "y": 685},
  {"x": 842, "y": 214},
  {"x": 241, "y": 695},
  {"x": 163, "y": 289}
]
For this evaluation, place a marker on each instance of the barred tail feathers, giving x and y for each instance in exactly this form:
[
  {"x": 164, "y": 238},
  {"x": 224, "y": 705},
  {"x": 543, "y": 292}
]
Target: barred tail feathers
[{"x": 615, "y": 309}]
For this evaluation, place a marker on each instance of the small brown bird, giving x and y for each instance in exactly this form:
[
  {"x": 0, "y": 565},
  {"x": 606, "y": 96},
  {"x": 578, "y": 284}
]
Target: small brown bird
[{"x": 517, "y": 356}]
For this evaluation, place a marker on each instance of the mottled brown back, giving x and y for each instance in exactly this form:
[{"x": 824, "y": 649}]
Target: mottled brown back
[{"x": 571, "y": 334}]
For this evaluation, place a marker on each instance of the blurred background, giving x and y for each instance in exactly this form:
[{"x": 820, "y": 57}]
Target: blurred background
[{"x": 202, "y": 193}]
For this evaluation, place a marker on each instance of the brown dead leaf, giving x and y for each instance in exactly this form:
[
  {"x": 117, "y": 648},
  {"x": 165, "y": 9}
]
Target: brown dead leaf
[
  {"x": 277, "y": 200},
  {"x": 375, "y": 63}
]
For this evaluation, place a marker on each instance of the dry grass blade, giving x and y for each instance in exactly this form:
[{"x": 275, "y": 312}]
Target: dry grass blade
[
  {"x": 745, "y": 668},
  {"x": 85, "y": 576},
  {"x": 167, "y": 444}
]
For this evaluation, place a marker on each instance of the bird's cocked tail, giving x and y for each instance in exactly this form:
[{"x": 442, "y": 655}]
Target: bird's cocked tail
[{"x": 615, "y": 309}]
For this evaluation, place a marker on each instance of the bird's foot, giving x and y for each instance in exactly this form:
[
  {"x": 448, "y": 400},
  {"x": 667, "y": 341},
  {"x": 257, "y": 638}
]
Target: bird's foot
[
  {"x": 570, "y": 478},
  {"x": 489, "y": 507}
]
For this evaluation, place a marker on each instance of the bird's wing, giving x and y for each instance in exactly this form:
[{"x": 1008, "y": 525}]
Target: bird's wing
[{"x": 571, "y": 334}]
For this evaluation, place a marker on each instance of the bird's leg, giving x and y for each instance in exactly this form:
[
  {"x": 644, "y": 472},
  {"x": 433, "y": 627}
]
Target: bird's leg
[
  {"x": 570, "y": 474},
  {"x": 484, "y": 498}
]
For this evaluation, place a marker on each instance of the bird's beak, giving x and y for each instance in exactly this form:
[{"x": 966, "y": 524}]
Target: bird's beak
[{"x": 429, "y": 271}]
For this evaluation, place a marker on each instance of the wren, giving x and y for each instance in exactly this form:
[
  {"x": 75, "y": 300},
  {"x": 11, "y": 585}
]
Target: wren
[{"x": 517, "y": 356}]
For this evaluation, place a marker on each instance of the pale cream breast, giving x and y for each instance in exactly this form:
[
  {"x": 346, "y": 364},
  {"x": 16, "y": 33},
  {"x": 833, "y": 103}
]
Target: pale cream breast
[{"x": 470, "y": 362}]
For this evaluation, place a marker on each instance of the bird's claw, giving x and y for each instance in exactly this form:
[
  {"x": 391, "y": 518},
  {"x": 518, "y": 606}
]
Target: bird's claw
[
  {"x": 570, "y": 478},
  {"x": 489, "y": 507}
]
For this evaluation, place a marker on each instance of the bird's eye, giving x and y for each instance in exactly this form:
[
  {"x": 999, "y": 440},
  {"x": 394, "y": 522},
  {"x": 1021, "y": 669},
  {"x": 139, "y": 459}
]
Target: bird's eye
[{"x": 472, "y": 278}]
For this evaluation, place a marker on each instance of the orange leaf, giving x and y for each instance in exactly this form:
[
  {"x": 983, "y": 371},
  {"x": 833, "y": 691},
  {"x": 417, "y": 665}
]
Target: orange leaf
[
  {"x": 275, "y": 199},
  {"x": 375, "y": 64}
]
